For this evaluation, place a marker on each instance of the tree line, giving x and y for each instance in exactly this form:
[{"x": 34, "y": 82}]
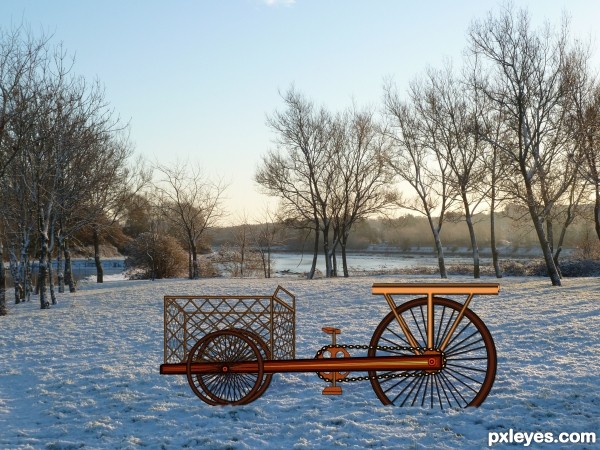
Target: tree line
[
  {"x": 516, "y": 124},
  {"x": 63, "y": 162}
]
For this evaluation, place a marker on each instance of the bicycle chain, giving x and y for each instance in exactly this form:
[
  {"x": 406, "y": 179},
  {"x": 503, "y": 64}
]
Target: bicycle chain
[{"x": 402, "y": 374}]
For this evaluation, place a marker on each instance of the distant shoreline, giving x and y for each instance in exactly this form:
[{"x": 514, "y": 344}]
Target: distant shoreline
[{"x": 429, "y": 252}]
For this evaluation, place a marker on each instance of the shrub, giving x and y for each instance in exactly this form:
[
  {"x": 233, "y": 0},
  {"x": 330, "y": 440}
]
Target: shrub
[
  {"x": 580, "y": 268},
  {"x": 155, "y": 256}
]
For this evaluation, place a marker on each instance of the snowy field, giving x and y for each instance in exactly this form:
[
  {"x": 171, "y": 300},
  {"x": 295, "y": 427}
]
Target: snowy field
[{"x": 85, "y": 374}]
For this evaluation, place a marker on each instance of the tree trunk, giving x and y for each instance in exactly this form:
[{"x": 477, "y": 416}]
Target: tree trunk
[
  {"x": 23, "y": 285},
  {"x": 561, "y": 239},
  {"x": 474, "y": 247},
  {"x": 42, "y": 268},
  {"x": 495, "y": 256},
  {"x": 344, "y": 260},
  {"x": 268, "y": 263},
  {"x": 97, "y": 260},
  {"x": 597, "y": 212},
  {"x": 15, "y": 271},
  {"x": 555, "y": 258},
  {"x": 28, "y": 282},
  {"x": 195, "y": 266},
  {"x": 550, "y": 238},
  {"x": 3, "y": 307},
  {"x": 438, "y": 247},
  {"x": 60, "y": 270},
  {"x": 69, "y": 279},
  {"x": 550, "y": 234},
  {"x": 326, "y": 252},
  {"x": 545, "y": 245},
  {"x": 334, "y": 263},
  {"x": 313, "y": 266},
  {"x": 51, "y": 280},
  {"x": 440, "y": 254}
]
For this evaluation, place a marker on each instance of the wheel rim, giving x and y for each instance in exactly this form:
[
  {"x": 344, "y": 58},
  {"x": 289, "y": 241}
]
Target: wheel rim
[
  {"x": 225, "y": 347},
  {"x": 470, "y": 367},
  {"x": 266, "y": 354}
]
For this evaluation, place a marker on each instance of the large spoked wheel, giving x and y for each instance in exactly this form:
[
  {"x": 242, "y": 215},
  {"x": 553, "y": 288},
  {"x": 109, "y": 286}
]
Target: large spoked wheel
[
  {"x": 226, "y": 387},
  {"x": 470, "y": 367}
]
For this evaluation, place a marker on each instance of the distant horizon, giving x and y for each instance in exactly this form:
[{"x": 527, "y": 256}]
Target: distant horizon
[{"x": 196, "y": 80}]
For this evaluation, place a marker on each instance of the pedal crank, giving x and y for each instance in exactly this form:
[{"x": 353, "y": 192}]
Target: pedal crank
[{"x": 333, "y": 351}]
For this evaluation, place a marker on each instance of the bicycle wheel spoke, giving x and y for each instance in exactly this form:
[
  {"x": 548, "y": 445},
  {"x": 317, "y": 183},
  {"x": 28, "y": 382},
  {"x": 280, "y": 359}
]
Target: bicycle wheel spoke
[
  {"x": 425, "y": 390},
  {"x": 453, "y": 390},
  {"x": 417, "y": 325},
  {"x": 480, "y": 358},
  {"x": 447, "y": 327},
  {"x": 424, "y": 322},
  {"x": 438, "y": 334},
  {"x": 471, "y": 350},
  {"x": 393, "y": 343},
  {"x": 402, "y": 338},
  {"x": 453, "y": 373},
  {"x": 455, "y": 347},
  {"x": 399, "y": 381},
  {"x": 456, "y": 336},
  {"x": 475, "y": 369},
  {"x": 418, "y": 387},
  {"x": 410, "y": 383},
  {"x": 437, "y": 388}
]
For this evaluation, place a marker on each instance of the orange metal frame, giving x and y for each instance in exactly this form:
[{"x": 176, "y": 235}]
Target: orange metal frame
[
  {"x": 352, "y": 364},
  {"x": 431, "y": 289}
]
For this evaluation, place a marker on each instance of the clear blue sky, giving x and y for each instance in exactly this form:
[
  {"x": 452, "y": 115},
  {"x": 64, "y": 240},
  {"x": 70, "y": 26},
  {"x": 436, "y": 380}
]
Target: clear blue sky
[{"x": 197, "y": 78}]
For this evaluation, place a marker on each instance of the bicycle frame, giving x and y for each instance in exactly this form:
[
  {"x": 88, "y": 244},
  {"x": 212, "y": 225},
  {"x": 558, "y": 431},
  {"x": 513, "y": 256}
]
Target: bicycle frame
[
  {"x": 429, "y": 359},
  {"x": 431, "y": 289}
]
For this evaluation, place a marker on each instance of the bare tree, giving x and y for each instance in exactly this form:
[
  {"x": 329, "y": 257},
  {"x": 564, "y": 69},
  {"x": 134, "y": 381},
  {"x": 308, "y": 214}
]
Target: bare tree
[
  {"x": 361, "y": 175},
  {"x": 265, "y": 237},
  {"x": 328, "y": 171},
  {"x": 20, "y": 58},
  {"x": 298, "y": 171},
  {"x": 591, "y": 151},
  {"x": 114, "y": 186},
  {"x": 524, "y": 79},
  {"x": 447, "y": 108},
  {"x": 494, "y": 174},
  {"x": 415, "y": 163},
  {"x": 584, "y": 120},
  {"x": 63, "y": 134},
  {"x": 191, "y": 203}
]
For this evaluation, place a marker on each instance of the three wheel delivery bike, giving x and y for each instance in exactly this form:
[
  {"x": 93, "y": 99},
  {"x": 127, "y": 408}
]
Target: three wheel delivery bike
[{"x": 430, "y": 351}]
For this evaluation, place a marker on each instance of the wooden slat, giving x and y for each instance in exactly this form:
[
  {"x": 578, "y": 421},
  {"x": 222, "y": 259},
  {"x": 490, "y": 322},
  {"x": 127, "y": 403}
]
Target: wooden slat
[{"x": 435, "y": 288}]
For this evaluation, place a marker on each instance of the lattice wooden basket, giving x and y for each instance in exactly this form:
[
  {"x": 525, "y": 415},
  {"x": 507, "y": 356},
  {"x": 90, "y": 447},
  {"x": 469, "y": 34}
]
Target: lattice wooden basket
[{"x": 189, "y": 318}]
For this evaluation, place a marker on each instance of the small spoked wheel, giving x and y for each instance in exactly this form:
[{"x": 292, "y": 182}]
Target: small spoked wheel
[
  {"x": 226, "y": 386},
  {"x": 469, "y": 370}
]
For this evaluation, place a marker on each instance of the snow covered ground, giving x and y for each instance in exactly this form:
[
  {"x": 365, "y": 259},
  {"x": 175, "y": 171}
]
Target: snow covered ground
[{"x": 84, "y": 374}]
